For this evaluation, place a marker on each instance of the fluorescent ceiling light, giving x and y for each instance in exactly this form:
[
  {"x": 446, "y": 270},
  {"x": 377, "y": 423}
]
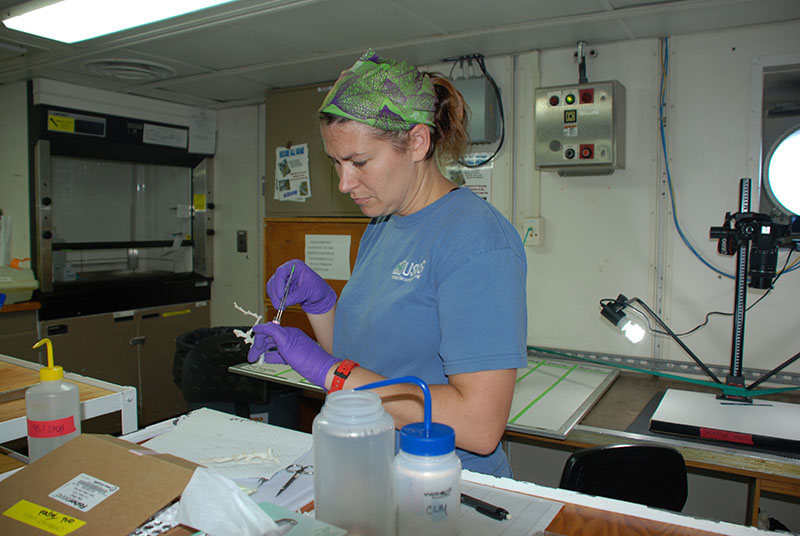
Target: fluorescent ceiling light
[{"x": 70, "y": 21}]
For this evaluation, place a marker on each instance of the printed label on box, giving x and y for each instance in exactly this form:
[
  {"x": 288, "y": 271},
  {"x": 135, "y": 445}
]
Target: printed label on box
[{"x": 84, "y": 492}]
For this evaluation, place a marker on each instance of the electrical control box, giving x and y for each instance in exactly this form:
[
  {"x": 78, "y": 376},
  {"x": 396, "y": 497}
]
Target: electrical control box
[
  {"x": 580, "y": 128},
  {"x": 484, "y": 123}
]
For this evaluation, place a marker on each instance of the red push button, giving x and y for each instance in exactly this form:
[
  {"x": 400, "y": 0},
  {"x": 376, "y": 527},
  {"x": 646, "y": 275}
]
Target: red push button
[{"x": 586, "y": 151}]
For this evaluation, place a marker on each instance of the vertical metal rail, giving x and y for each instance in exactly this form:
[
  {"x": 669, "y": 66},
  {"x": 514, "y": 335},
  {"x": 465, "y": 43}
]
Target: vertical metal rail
[{"x": 735, "y": 377}]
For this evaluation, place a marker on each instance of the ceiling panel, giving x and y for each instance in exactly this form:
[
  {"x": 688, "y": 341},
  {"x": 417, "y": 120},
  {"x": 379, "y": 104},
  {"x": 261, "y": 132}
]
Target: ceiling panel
[
  {"x": 294, "y": 74},
  {"x": 710, "y": 16},
  {"x": 341, "y": 25},
  {"x": 232, "y": 54},
  {"x": 510, "y": 41},
  {"x": 165, "y": 94},
  {"x": 223, "y": 88},
  {"x": 220, "y": 47},
  {"x": 462, "y": 16},
  {"x": 84, "y": 79},
  {"x": 85, "y": 64}
]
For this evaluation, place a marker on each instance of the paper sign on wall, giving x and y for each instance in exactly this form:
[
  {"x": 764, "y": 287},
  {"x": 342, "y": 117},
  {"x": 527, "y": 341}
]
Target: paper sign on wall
[
  {"x": 477, "y": 179},
  {"x": 292, "y": 180},
  {"x": 329, "y": 255}
]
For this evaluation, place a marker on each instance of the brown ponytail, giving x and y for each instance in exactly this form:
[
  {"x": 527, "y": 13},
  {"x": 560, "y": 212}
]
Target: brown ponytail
[{"x": 450, "y": 137}]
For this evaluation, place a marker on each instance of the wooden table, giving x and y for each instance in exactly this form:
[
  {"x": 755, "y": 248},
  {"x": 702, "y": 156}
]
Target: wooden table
[
  {"x": 585, "y": 515},
  {"x": 607, "y": 422},
  {"x": 97, "y": 397}
]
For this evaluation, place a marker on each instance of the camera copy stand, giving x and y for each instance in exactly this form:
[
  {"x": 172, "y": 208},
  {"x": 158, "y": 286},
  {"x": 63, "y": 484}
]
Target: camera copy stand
[{"x": 735, "y": 237}]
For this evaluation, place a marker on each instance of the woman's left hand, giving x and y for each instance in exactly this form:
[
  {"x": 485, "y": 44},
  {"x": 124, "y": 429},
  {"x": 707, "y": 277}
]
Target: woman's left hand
[{"x": 299, "y": 350}]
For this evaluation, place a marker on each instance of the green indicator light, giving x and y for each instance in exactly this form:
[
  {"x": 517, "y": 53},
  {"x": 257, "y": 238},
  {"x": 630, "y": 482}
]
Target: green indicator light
[{"x": 569, "y": 99}]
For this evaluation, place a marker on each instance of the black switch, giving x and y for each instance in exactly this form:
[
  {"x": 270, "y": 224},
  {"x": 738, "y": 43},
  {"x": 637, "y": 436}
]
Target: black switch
[{"x": 241, "y": 241}]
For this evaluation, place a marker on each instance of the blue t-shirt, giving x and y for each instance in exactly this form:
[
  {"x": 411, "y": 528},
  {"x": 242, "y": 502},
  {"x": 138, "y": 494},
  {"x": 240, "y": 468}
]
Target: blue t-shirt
[{"x": 438, "y": 292}]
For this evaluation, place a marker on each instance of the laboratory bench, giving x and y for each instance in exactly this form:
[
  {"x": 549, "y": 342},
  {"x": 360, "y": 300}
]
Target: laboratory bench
[
  {"x": 578, "y": 515},
  {"x": 622, "y": 415},
  {"x": 615, "y": 413},
  {"x": 97, "y": 397}
]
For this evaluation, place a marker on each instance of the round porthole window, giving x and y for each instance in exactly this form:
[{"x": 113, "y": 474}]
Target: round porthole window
[{"x": 783, "y": 172}]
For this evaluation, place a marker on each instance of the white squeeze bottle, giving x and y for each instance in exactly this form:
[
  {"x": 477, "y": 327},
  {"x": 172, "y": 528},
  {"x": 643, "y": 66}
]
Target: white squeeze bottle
[
  {"x": 427, "y": 474},
  {"x": 53, "y": 409}
]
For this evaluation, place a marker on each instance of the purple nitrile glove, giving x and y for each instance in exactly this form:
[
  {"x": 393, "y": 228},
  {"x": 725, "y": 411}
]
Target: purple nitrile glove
[
  {"x": 307, "y": 288},
  {"x": 298, "y": 350},
  {"x": 263, "y": 345}
]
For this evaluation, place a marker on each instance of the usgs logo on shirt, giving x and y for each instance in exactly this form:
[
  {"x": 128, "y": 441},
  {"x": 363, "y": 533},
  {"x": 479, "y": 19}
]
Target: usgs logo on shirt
[{"x": 408, "y": 271}]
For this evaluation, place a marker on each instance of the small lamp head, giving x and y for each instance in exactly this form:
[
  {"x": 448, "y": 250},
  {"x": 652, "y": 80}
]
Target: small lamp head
[{"x": 613, "y": 311}]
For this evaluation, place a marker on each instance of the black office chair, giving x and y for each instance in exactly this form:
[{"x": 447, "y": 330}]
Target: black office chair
[{"x": 653, "y": 475}]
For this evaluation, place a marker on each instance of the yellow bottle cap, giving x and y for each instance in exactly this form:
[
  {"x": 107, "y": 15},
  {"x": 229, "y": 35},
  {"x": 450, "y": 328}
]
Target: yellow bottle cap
[{"x": 51, "y": 372}]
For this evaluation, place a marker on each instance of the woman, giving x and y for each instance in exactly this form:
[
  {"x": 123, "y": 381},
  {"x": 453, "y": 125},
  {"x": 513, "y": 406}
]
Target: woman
[{"x": 438, "y": 286}]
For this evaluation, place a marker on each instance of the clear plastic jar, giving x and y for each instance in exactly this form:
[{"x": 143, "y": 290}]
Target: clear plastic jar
[{"x": 353, "y": 452}]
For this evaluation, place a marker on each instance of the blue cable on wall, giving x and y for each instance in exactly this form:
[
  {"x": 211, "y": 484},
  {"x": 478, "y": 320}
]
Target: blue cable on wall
[{"x": 661, "y": 120}]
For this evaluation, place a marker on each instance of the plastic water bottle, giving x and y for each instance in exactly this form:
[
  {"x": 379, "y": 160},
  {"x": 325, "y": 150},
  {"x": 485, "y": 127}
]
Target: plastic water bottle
[
  {"x": 52, "y": 407},
  {"x": 353, "y": 440},
  {"x": 427, "y": 474}
]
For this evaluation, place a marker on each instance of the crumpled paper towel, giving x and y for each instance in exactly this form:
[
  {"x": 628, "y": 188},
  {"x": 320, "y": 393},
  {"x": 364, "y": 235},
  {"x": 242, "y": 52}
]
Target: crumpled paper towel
[{"x": 215, "y": 505}]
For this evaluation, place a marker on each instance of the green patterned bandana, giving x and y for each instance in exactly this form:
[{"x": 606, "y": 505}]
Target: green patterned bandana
[{"x": 382, "y": 93}]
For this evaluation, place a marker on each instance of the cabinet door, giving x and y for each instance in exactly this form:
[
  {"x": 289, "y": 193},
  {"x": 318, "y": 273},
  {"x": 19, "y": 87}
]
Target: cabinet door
[
  {"x": 291, "y": 117},
  {"x": 159, "y": 397},
  {"x": 18, "y": 334},
  {"x": 99, "y": 346}
]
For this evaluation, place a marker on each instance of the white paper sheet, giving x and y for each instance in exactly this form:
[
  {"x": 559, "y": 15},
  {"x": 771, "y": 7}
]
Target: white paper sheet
[
  {"x": 329, "y": 255},
  {"x": 528, "y": 514},
  {"x": 234, "y": 446}
]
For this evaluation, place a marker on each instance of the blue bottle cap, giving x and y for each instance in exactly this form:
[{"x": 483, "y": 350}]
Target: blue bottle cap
[{"x": 417, "y": 439}]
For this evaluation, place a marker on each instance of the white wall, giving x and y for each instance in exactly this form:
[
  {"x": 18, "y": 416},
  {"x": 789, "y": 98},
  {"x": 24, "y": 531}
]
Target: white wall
[
  {"x": 14, "y": 165},
  {"x": 710, "y": 126},
  {"x": 602, "y": 233},
  {"x": 238, "y": 171},
  {"x": 599, "y": 230}
]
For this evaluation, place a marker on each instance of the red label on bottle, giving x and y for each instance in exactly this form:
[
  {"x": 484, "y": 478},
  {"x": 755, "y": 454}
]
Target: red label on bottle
[{"x": 55, "y": 428}]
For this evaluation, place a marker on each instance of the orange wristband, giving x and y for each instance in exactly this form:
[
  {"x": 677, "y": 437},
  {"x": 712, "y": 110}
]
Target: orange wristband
[{"x": 341, "y": 373}]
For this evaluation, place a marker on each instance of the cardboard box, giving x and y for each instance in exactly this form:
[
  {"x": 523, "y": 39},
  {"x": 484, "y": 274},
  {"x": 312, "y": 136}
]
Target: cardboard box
[{"x": 92, "y": 485}]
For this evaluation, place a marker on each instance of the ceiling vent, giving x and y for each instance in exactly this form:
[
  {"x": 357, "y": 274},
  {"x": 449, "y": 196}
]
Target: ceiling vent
[{"x": 128, "y": 69}]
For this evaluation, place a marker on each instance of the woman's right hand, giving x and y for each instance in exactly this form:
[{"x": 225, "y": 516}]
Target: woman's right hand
[{"x": 306, "y": 288}]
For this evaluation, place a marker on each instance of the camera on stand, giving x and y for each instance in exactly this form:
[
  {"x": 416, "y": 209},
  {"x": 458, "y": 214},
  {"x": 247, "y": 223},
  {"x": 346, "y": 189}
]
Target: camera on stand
[{"x": 765, "y": 237}]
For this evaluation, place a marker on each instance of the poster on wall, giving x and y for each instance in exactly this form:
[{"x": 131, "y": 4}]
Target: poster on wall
[
  {"x": 478, "y": 179},
  {"x": 292, "y": 181}
]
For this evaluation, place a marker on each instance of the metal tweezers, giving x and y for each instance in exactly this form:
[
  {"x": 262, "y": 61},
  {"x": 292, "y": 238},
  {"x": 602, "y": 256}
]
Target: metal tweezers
[{"x": 282, "y": 305}]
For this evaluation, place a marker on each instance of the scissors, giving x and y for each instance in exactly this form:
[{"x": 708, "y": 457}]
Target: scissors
[{"x": 297, "y": 469}]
